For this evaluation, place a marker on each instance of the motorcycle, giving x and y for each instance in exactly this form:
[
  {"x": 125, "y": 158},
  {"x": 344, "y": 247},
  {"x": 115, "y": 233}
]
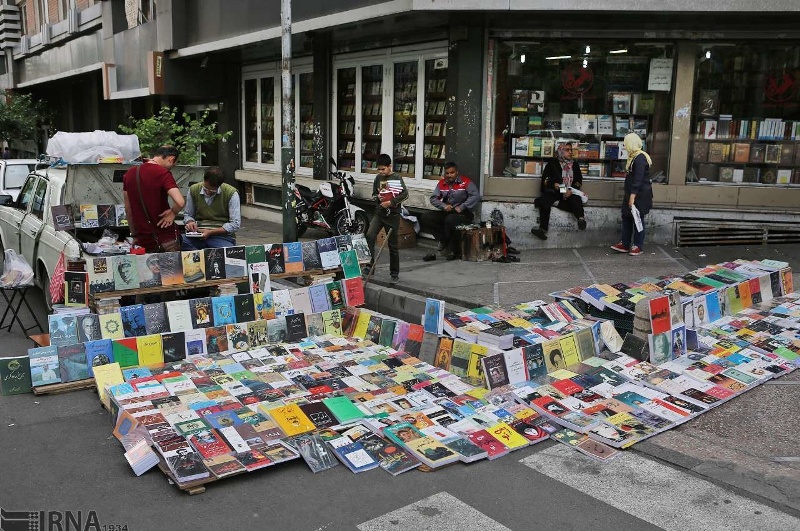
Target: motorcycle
[{"x": 329, "y": 207}]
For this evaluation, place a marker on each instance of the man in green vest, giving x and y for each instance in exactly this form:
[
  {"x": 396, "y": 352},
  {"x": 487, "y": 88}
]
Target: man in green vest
[{"x": 212, "y": 214}]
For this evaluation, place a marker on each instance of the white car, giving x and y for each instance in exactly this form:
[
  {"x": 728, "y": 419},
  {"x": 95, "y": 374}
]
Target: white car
[
  {"x": 13, "y": 173},
  {"x": 26, "y": 224}
]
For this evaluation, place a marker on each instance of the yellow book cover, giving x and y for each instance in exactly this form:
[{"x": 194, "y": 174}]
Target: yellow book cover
[
  {"x": 508, "y": 436},
  {"x": 111, "y": 326},
  {"x": 362, "y": 324},
  {"x": 562, "y": 374},
  {"x": 520, "y": 323},
  {"x": 608, "y": 289},
  {"x": 524, "y": 413},
  {"x": 569, "y": 348},
  {"x": 745, "y": 295},
  {"x": 478, "y": 392},
  {"x": 476, "y": 354},
  {"x": 553, "y": 357},
  {"x": 411, "y": 360},
  {"x": 194, "y": 266},
  {"x": 332, "y": 322},
  {"x": 150, "y": 350},
  {"x": 291, "y": 420},
  {"x": 107, "y": 375},
  {"x": 397, "y": 390}
]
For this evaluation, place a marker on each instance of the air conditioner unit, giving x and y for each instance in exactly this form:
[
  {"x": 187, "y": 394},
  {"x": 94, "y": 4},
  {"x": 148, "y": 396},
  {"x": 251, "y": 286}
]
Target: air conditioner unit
[
  {"x": 73, "y": 20},
  {"x": 24, "y": 44},
  {"x": 45, "y": 33}
]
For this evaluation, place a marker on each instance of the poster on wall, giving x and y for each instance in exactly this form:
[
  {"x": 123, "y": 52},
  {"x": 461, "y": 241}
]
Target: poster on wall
[{"x": 660, "y": 77}]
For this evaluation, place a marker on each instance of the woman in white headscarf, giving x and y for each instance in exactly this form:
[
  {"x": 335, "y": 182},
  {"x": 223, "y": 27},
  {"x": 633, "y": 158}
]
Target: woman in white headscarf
[
  {"x": 560, "y": 176},
  {"x": 638, "y": 192}
]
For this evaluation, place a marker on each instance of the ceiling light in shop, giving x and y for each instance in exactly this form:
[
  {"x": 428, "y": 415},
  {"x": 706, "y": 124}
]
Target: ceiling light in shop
[
  {"x": 555, "y": 57},
  {"x": 588, "y": 49},
  {"x": 619, "y": 51},
  {"x": 585, "y": 63},
  {"x": 522, "y": 58},
  {"x": 708, "y": 54}
]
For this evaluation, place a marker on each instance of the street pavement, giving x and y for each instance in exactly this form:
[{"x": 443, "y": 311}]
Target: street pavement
[{"x": 734, "y": 467}]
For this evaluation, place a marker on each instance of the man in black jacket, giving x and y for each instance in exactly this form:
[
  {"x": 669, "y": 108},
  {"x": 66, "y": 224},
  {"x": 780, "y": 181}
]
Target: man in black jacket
[{"x": 560, "y": 176}]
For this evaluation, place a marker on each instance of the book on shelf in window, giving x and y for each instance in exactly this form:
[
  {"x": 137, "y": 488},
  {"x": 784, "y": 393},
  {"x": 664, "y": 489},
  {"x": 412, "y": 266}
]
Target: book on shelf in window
[
  {"x": 437, "y": 129},
  {"x": 621, "y": 102},
  {"x": 535, "y": 146},
  {"x": 787, "y": 154},
  {"x": 757, "y": 153},
  {"x": 534, "y": 122},
  {"x": 426, "y": 151},
  {"x": 349, "y": 148},
  {"x": 622, "y": 126},
  {"x": 784, "y": 176},
  {"x": 428, "y": 128},
  {"x": 427, "y": 169},
  {"x": 548, "y": 147},
  {"x": 431, "y": 86},
  {"x": 741, "y": 152},
  {"x": 772, "y": 155},
  {"x": 412, "y": 128},
  {"x": 717, "y": 152},
  {"x": 605, "y": 125},
  {"x": 440, "y": 108},
  {"x": 726, "y": 174},
  {"x": 441, "y": 85},
  {"x": 521, "y": 146},
  {"x": 519, "y": 100}
]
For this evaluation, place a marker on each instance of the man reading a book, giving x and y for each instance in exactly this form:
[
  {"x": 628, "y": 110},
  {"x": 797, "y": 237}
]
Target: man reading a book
[
  {"x": 454, "y": 198},
  {"x": 213, "y": 213},
  {"x": 388, "y": 191}
]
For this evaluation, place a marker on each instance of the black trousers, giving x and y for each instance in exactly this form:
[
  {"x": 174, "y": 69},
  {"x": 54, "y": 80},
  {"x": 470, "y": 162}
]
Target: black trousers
[
  {"x": 383, "y": 220},
  {"x": 572, "y": 204},
  {"x": 444, "y": 226}
]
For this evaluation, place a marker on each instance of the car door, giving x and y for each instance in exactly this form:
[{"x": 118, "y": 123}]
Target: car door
[
  {"x": 32, "y": 224},
  {"x": 11, "y": 215}
]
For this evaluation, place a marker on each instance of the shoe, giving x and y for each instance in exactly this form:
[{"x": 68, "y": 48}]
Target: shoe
[
  {"x": 620, "y": 248},
  {"x": 581, "y": 224},
  {"x": 440, "y": 246},
  {"x": 430, "y": 257},
  {"x": 395, "y": 279},
  {"x": 512, "y": 250},
  {"x": 539, "y": 233},
  {"x": 635, "y": 251}
]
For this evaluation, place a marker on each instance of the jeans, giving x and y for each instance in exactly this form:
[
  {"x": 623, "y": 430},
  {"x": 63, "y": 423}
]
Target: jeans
[
  {"x": 195, "y": 244},
  {"x": 628, "y": 229},
  {"x": 443, "y": 224},
  {"x": 382, "y": 220}
]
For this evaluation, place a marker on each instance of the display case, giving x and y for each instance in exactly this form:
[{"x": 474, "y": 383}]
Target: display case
[
  {"x": 346, "y": 118},
  {"x": 405, "y": 117},
  {"x": 268, "y": 120},
  {"x": 435, "y": 131},
  {"x": 305, "y": 120},
  {"x": 371, "y": 116}
]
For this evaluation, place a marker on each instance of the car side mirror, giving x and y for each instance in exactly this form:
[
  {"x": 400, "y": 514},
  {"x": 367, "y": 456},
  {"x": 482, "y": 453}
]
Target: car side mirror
[{"x": 6, "y": 199}]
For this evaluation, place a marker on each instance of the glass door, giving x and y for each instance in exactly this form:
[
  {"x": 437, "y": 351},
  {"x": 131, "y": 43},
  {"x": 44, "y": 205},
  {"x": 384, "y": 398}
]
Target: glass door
[
  {"x": 371, "y": 116},
  {"x": 251, "y": 120},
  {"x": 346, "y": 118},
  {"x": 405, "y": 117}
]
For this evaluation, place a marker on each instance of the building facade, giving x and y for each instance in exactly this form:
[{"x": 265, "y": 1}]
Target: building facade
[{"x": 713, "y": 90}]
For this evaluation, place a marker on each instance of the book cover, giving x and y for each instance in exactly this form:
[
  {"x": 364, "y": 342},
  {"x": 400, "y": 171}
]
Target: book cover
[
  {"x": 149, "y": 348},
  {"x": 275, "y": 259},
  {"x": 301, "y": 303},
  {"x": 62, "y": 217},
  {"x": 318, "y": 294},
  {"x": 44, "y": 366},
  {"x": 245, "y": 307},
  {"x": 89, "y": 217},
  {"x": 200, "y": 312},
  {"x": 428, "y": 348},
  {"x": 193, "y": 266},
  {"x": 179, "y": 315},
  {"x": 15, "y": 376},
  {"x": 387, "y": 332},
  {"x": 121, "y": 216},
  {"x": 314, "y": 324},
  {"x": 350, "y": 266},
  {"x": 354, "y": 291},
  {"x": 133, "y": 323},
  {"x": 660, "y": 321},
  {"x": 88, "y": 327},
  {"x": 311, "y": 258},
  {"x": 352, "y": 454},
  {"x": 126, "y": 274},
  {"x": 328, "y": 253},
  {"x": 494, "y": 370},
  {"x": 314, "y": 452},
  {"x": 174, "y": 346},
  {"x": 106, "y": 215},
  {"x": 148, "y": 270},
  {"x": 295, "y": 327},
  {"x": 265, "y": 308},
  {"x": 72, "y": 362},
  {"x": 282, "y": 302},
  {"x": 343, "y": 409},
  {"x": 217, "y": 340},
  {"x": 362, "y": 323},
  {"x": 170, "y": 268},
  {"x": 255, "y": 253},
  {"x": 373, "y": 332},
  {"x": 434, "y": 316},
  {"x": 276, "y": 330},
  {"x": 335, "y": 295},
  {"x": 291, "y": 419},
  {"x": 238, "y": 338},
  {"x": 293, "y": 257},
  {"x": 235, "y": 262},
  {"x": 344, "y": 242},
  {"x": 195, "y": 342},
  {"x": 259, "y": 277},
  {"x": 361, "y": 247},
  {"x": 110, "y": 326},
  {"x": 214, "y": 263},
  {"x": 98, "y": 353},
  {"x": 107, "y": 375},
  {"x": 257, "y": 333},
  {"x": 101, "y": 275},
  {"x": 332, "y": 322},
  {"x": 155, "y": 318},
  {"x": 223, "y": 310},
  {"x": 660, "y": 346}
]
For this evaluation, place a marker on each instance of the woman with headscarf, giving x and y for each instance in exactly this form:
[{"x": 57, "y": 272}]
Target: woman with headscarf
[
  {"x": 560, "y": 175},
  {"x": 638, "y": 192}
]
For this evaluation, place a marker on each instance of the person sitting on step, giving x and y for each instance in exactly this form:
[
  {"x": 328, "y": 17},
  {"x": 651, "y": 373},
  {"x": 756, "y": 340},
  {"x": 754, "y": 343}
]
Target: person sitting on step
[{"x": 559, "y": 177}]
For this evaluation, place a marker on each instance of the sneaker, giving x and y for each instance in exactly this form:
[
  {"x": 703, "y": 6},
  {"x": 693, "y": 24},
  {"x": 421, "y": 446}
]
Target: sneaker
[
  {"x": 395, "y": 279},
  {"x": 539, "y": 233},
  {"x": 635, "y": 251},
  {"x": 581, "y": 224},
  {"x": 620, "y": 248}
]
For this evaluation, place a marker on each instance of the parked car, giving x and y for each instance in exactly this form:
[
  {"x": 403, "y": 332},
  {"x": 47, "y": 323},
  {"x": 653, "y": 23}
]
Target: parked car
[
  {"x": 26, "y": 223},
  {"x": 13, "y": 173}
]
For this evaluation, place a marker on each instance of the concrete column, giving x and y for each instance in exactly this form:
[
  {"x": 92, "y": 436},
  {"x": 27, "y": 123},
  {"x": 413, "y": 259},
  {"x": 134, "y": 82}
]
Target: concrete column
[
  {"x": 323, "y": 76},
  {"x": 682, "y": 113}
]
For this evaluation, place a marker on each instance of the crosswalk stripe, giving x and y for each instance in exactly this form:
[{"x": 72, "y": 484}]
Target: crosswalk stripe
[
  {"x": 656, "y": 493},
  {"x": 440, "y": 512}
]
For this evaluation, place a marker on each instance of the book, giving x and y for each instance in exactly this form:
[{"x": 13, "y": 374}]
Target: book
[
  {"x": 62, "y": 217},
  {"x": 150, "y": 350},
  {"x": 259, "y": 277},
  {"x": 179, "y": 315},
  {"x": 98, "y": 353},
  {"x": 223, "y": 310},
  {"x": 343, "y": 409},
  {"x": 352, "y": 454},
  {"x": 101, "y": 274},
  {"x": 72, "y": 362},
  {"x": 89, "y": 216},
  {"x": 354, "y": 291},
  {"x": 295, "y": 327},
  {"x": 200, "y": 312},
  {"x": 282, "y": 302},
  {"x": 301, "y": 302},
  {"x": 265, "y": 308},
  {"x": 311, "y": 257},
  {"x": 214, "y": 263},
  {"x": 126, "y": 275},
  {"x": 44, "y": 368},
  {"x": 349, "y": 263},
  {"x": 255, "y": 253},
  {"x": 125, "y": 352},
  {"x": 155, "y": 318},
  {"x": 293, "y": 257},
  {"x": 217, "y": 340},
  {"x": 291, "y": 419},
  {"x": 193, "y": 266},
  {"x": 335, "y": 295},
  {"x": 133, "y": 323},
  {"x": 76, "y": 292},
  {"x": 170, "y": 268},
  {"x": 15, "y": 375},
  {"x": 314, "y": 452},
  {"x": 433, "y": 321},
  {"x": 328, "y": 253},
  {"x": 275, "y": 259},
  {"x": 359, "y": 243},
  {"x": 235, "y": 262},
  {"x": 332, "y": 322},
  {"x": 318, "y": 295},
  {"x": 110, "y": 326},
  {"x": 107, "y": 375},
  {"x": 121, "y": 216},
  {"x": 174, "y": 346},
  {"x": 244, "y": 305}
]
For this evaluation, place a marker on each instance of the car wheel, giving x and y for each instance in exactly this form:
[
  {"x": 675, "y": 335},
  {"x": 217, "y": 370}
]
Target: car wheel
[{"x": 45, "y": 283}]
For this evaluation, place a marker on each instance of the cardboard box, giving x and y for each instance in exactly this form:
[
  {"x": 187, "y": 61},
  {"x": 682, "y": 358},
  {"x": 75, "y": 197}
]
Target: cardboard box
[{"x": 406, "y": 237}]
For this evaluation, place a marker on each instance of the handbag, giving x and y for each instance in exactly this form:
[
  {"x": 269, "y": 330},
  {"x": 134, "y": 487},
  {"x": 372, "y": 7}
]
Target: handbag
[{"x": 169, "y": 245}]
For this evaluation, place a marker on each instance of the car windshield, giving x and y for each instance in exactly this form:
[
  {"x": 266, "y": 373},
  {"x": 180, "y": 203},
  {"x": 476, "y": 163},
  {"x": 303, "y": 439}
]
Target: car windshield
[{"x": 15, "y": 175}]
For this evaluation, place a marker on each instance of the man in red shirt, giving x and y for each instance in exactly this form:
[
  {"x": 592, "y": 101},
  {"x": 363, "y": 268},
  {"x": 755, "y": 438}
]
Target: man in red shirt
[{"x": 154, "y": 227}]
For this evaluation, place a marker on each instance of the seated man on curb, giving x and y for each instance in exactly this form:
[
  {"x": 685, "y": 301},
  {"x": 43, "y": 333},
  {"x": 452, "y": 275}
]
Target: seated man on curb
[
  {"x": 213, "y": 209},
  {"x": 454, "y": 197},
  {"x": 559, "y": 176}
]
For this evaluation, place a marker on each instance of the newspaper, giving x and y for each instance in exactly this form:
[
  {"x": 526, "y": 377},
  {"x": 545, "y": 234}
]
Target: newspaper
[{"x": 637, "y": 219}]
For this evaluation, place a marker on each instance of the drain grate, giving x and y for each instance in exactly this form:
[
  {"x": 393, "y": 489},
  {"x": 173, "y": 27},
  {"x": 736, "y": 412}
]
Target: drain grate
[{"x": 708, "y": 232}]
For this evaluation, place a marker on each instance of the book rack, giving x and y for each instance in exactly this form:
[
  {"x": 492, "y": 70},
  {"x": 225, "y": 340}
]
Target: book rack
[{"x": 58, "y": 388}]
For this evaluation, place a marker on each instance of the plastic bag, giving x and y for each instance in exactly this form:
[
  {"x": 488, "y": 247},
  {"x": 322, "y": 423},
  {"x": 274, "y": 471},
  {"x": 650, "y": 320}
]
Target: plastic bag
[
  {"x": 16, "y": 271},
  {"x": 78, "y": 148}
]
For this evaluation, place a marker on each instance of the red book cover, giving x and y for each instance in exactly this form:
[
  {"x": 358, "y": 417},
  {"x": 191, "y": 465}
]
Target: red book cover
[
  {"x": 568, "y": 387},
  {"x": 659, "y": 315},
  {"x": 208, "y": 443},
  {"x": 484, "y": 440},
  {"x": 354, "y": 291}
]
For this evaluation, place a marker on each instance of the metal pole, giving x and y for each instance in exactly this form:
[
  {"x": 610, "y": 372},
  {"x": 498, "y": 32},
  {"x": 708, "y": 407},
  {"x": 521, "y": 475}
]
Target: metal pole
[{"x": 287, "y": 131}]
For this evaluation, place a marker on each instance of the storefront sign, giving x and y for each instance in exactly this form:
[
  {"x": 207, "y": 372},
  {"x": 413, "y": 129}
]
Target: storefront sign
[
  {"x": 781, "y": 86},
  {"x": 660, "y": 74}
]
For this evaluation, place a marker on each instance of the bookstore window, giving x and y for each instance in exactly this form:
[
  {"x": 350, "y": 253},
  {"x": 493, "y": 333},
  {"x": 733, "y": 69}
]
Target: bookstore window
[
  {"x": 378, "y": 102},
  {"x": 589, "y": 94},
  {"x": 262, "y": 119},
  {"x": 746, "y": 115}
]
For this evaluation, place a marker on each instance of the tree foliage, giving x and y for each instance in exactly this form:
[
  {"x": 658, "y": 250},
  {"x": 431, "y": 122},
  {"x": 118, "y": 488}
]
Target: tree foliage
[
  {"x": 21, "y": 116},
  {"x": 185, "y": 133}
]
